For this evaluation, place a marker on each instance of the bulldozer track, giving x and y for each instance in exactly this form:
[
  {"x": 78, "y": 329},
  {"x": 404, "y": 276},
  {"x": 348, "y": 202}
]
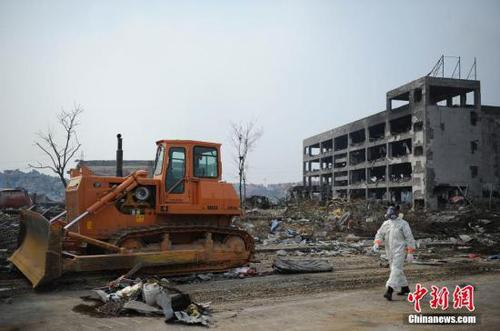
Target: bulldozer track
[{"x": 133, "y": 233}]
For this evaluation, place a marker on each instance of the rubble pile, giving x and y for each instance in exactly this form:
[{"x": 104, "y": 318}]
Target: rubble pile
[
  {"x": 463, "y": 227},
  {"x": 308, "y": 222},
  {"x": 9, "y": 232},
  {"x": 152, "y": 297}
]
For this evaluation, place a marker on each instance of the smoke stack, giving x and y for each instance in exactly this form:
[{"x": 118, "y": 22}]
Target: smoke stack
[{"x": 119, "y": 157}]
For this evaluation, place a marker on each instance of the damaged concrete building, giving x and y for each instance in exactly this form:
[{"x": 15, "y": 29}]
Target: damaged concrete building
[{"x": 434, "y": 143}]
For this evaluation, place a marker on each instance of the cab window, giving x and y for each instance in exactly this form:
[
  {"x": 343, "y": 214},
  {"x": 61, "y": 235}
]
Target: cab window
[
  {"x": 160, "y": 153},
  {"x": 176, "y": 170},
  {"x": 205, "y": 162}
]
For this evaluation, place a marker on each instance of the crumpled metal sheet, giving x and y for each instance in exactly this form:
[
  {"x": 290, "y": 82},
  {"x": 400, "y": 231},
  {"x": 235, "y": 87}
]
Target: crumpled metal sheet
[
  {"x": 301, "y": 266},
  {"x": 184, "y": 317},
  {"x": 99, "y": 295},
  {"x": 141, "y": 307},
  {"x": 165, "y": 302}
]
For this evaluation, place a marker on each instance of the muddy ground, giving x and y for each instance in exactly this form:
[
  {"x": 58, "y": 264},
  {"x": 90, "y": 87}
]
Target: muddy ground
[{"x": 347, "y": 298}]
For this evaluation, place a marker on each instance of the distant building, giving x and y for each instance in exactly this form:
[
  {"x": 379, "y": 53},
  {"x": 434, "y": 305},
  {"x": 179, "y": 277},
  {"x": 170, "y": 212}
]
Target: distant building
[{"x": 439, "y": 145}]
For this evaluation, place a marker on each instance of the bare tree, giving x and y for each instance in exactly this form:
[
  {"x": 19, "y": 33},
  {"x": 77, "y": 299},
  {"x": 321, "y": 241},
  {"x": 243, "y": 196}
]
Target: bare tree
[
  {"x": 60, "y": 153},
  {"x": 244, "y": 137}
]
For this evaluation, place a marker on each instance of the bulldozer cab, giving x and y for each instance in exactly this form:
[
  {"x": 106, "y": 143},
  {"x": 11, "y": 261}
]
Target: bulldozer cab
[{"x": 181, "y": 165}]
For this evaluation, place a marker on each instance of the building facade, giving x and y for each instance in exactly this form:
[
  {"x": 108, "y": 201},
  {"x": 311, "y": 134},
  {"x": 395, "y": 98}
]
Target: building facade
[{"x": 434, "y": 143}]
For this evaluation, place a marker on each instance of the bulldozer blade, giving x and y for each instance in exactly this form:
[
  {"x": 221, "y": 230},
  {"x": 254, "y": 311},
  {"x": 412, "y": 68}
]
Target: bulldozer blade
[{"x": 38, "y": 256}]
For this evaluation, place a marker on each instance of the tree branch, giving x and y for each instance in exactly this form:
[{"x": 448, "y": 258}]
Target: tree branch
[{"x": 60, "y": 156}]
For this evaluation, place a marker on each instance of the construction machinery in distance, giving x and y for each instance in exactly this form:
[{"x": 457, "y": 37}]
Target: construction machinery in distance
[{"x": 177, "y": 221}]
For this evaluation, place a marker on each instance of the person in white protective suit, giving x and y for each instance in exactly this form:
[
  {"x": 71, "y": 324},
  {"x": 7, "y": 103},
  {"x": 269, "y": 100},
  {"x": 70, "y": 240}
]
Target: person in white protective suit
[{"x": 396, "y": 234}]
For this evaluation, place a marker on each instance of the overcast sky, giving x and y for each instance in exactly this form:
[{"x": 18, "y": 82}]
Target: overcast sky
[{"x": 185, "y": 69}]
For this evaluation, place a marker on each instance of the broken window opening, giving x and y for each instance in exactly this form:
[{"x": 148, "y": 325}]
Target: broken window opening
[
  {"x": 470, "y": 99},
  {"x": 402, "y": 195},
  {"x": 377, "y": 153},
  {"x": 474, "y": 171},
  {"x": 327, "y": 179},
  {"x": 400, "y": 148},
  {"x": 340, "y": 143},
  {"x": 315, "y": 165},
  {"x": 327, "y": 162},
  {"x": 449, "y": 96},
  {"x": 314, "y": 150},
  {"x": 357, "y": 137},
  {"x": 455, "y": 101},
  {"x": 377, "y": 193},
  {"x": 376, "y": 175},
  {"x": 326, "y": 146},
  {"x": 399, "y": 102},
  {"x": 449, "y": 194},
  {"x": 400, "y": 125},
  {"x": 358, "y": 176},
  {"x": 400, "y": 173},
  {"x": 340, "y": 160},
  {"x": 357, "y": 157},
  {"x": 418, "y": 126},
  {"x": 418, "y": 151},
  {"x": 473, "y": 146},
  {"x": 376, "y": 132},
  {"x": 340, "y": 178},
  {"x": 314, "y": 180}
]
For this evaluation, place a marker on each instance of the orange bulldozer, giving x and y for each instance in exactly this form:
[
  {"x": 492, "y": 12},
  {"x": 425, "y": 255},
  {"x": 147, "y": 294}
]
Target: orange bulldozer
[{"x": 177, "y": 221}]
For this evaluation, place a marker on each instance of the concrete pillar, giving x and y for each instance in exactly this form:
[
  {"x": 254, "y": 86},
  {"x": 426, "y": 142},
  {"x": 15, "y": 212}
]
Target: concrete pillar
[
  {"x": 449, "y": 102},
  {"x": 366, "y": 183},
  {"x": 477, "y": 98},
  {"x": 387, "y": 180},
  {"x": 463, "y": 100},
  {"x": 411, "y": 98}
]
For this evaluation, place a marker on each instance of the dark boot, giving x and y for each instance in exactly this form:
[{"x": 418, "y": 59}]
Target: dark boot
[
  {"x": 404, "y": 290},
  {"x": 388, "y": 293}
]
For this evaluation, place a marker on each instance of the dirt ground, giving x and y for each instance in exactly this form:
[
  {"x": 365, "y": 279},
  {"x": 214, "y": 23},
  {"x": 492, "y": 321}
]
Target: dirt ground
[{"x": 349, "y": 298}]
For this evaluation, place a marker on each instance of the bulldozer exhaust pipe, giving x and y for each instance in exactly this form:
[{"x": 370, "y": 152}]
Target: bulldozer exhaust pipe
[{"x": 119, "y": 157}]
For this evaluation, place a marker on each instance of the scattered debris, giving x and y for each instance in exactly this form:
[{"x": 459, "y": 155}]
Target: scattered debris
[
  {"x": 241, "y": 272},
  {"x": 141, "y": 307},
  {"x": 465, "y": 238},
  {"x": 194, "y": 314},
  {"x": 274, "y": 225},
  {"x": 151, "y": 297},
  {"x": 308, "y": 222},
  {"x": 281, "y": 252}
]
